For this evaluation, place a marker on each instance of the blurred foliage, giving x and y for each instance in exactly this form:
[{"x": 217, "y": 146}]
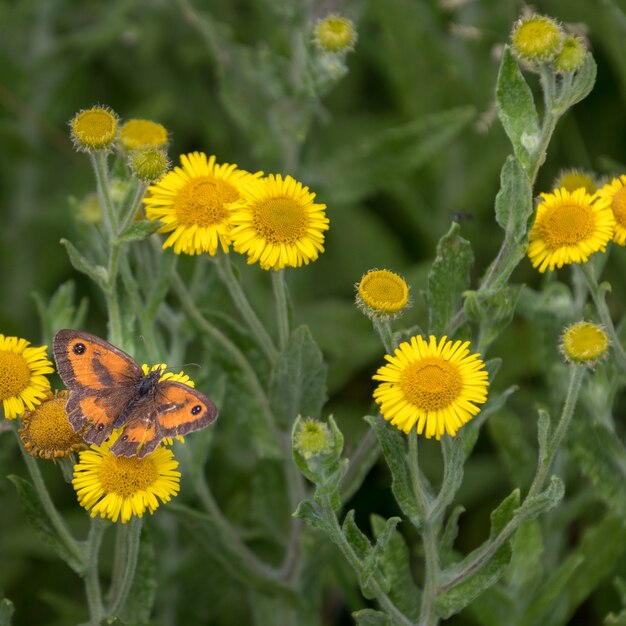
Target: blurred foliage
[{"x": 403, "y": 145}]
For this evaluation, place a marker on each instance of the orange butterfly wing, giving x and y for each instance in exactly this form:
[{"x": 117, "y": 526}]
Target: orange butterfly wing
[
  {"x": 176, "y": 410},
  {"x": 108, "y": 390}
]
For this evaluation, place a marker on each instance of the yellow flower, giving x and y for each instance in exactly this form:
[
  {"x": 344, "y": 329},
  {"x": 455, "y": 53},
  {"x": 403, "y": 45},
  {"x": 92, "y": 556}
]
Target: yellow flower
[
  {"x": 22, "y": 375},
  {"x": 537, "y": 38},
  {"x": 120, "y": 487},
  {"x": 434, "y": 386},
  {"x": 312, "y": 438},
  {"x": 573, "y": 179},
  {"x": 94, "y": 129},
  {"x": 568, "y": 228},
  {"x": 142, "y": 134},
  {"x": 193, "y": 203},
  {"x": 613, "y": 195},
  {"x": 46, "y": 431},
  {"x": 382, "y": 294},
  {"x": 584, "y": 343},
  {"x": 277, "y": 224},
  {"x": 572, "y": 55},
  {"x": 334, "y": 34}
]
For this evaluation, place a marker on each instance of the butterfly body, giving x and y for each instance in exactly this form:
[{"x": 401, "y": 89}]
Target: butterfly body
[{"x": 109, "y": 390}]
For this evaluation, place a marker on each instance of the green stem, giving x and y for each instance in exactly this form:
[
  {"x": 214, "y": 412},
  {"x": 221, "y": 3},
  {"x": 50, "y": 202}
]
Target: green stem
[
  {"x": 131, "y": 211},
  {"x": 282, "y": 310},
  {"x": 112, "y": 298},
  {"x": 131, "y": 557},
  {"x": 383, "y": 330},
  {"x": 243, "y": 305},
  {"x": 92, "y": 574},
  {"x": 338, "y": 537},
  {"x": 46, "y": 502},
  {"x": 491, "y": 547},
  {"x": 598, "y": 296},
  {"x": 421, "y": 497},
  {"x": 428, "y": 617},
  {"x": 101, "y": 171}
]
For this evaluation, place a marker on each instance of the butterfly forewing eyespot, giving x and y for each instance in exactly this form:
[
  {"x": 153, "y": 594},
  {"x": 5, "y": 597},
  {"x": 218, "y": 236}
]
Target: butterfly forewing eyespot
[{"x": 109, "y": 390}]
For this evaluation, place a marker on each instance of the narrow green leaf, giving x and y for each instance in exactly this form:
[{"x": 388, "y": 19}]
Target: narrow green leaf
[
  {"x": 97, "y": 273},
  {"x": 329, "y": 486},
  {"x": 356, "y": 538},
  {"x": 526, "y": 569},
  {"x": 298, "y": 382},
  {"x": 60, "y": 310},
  {"x": 516, "y": 108},
  {"x": 514, "y": 201},
  {"x": 543, "y": 502},
  {"x": 371, "y": 570},
  {"x": 370, "y": 617},
  {"x": 394, "y": 563},
  {"x": 140, "y": 601},
  {"x": 392, "y": 442},
  {"x": 449, "y": 535},
  {"x": 543, "y": 435},
  {"x": 308, "y": 512},
  {"x": 6, "y": 612},
  {"x": 582, "y": 84},
  {"x": 138, "y": 231},
  {"x": 448, "y": 279},
  {"x": 38, "y": 519},
  {"x": 503, "y": 514}
]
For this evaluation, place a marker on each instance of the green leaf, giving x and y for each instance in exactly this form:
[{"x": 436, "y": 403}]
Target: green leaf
[
  {"x": 60, "y": 311},
  {"x": 359, "y": 542},
  {"x": 582, "y": 84},
  {"x": 394, "y": 562},
  {"x": 371, "y": 571},
  {"x": 329, "y": 486},
  {"x": 516, "y": 108},
  {"x": 448, "y": 279},
  {"x": 392, "y": 442},
  {"x": 6, "y": 612},
  {"x": 38, "y": 519},
  {"x": 463, "y": 592},
  {"x": 369, "y": 617},
  {"x": 449, "y": 535},
  {"x": 612, "y": 619},
  {"x": 543, "y": 435},
  {"x": 601, "y": 456},
  {"x": 526, "y": 567},
  {"x": 140, "y": 601},
  {"x": 514, "y": 201},
  {"x": 138, "y": 231},
  {"x": 97, "y": 273},
  {"x": 308, "y": 512},
  {"x": 543, "y": 502},
  {"x": 386, "y": 155},
  {"x": 298, "y": 382}
]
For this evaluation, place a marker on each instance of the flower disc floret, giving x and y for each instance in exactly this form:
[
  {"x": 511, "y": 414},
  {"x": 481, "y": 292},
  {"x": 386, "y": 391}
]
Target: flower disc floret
[
  {"x": 193, "y": 201},
  {"x": 278, "y": 224},
  {"x": 142, "y": 134},
  {"x": 432, "y": 386},
  {"x": 613, "y": 196},
  {"x": 23, "y": 370},
  {"x": 584, "y": 343},
  {"x": 568, "y": 228},
  {"x": 537, "y": 39},
  {"x": 122, "y": 487},
  {"x": 313, "y": 438},
  {"x": 382, "y": 294},
  {"x": 335, "y": 34},
  {"x": 46, "y": 431},
  {"x": 94, "y": 129}
]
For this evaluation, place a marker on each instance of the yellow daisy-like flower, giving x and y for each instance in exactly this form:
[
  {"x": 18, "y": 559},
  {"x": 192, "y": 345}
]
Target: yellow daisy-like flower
[
  {"x": 568, "y": 228},
  {"x": 122, "y": 487},
  {"x": 278, "y": 224},
  {"x": 193, "y": 203},
  {"x": 94, "y": 129},
  {"x": 585, "y": 343},
  {"x": 23, "y": 370},
  {"x": 142, "y": 134},
  {"x": 434, "y": 386},
  {"x": 613, "y": 195},
  {"x": 46, "y": 431},
  {"x": 537, "y": 38},
  {"x": 381, "y": 294}
]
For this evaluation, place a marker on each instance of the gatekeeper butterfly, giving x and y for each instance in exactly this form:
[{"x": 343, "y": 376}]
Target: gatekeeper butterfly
[{"x": 109, "y": 390}]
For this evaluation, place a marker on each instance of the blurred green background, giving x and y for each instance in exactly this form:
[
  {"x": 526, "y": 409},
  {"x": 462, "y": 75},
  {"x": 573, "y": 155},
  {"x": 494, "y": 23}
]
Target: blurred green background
[{"x": 405, "y": 143}]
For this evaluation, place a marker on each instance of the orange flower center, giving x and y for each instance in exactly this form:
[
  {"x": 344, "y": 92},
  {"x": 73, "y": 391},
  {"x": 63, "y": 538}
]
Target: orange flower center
[
  {"x": 618, "y": 204},
  {"x": 280, "y": 220},
  {"x": 431, "y": 383},
  {"x": 566, "y": 225},
  {"x": 202, "y": 201},
  {"x": 14, "y": 374},
  {"x": 125, "y": 476}
]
